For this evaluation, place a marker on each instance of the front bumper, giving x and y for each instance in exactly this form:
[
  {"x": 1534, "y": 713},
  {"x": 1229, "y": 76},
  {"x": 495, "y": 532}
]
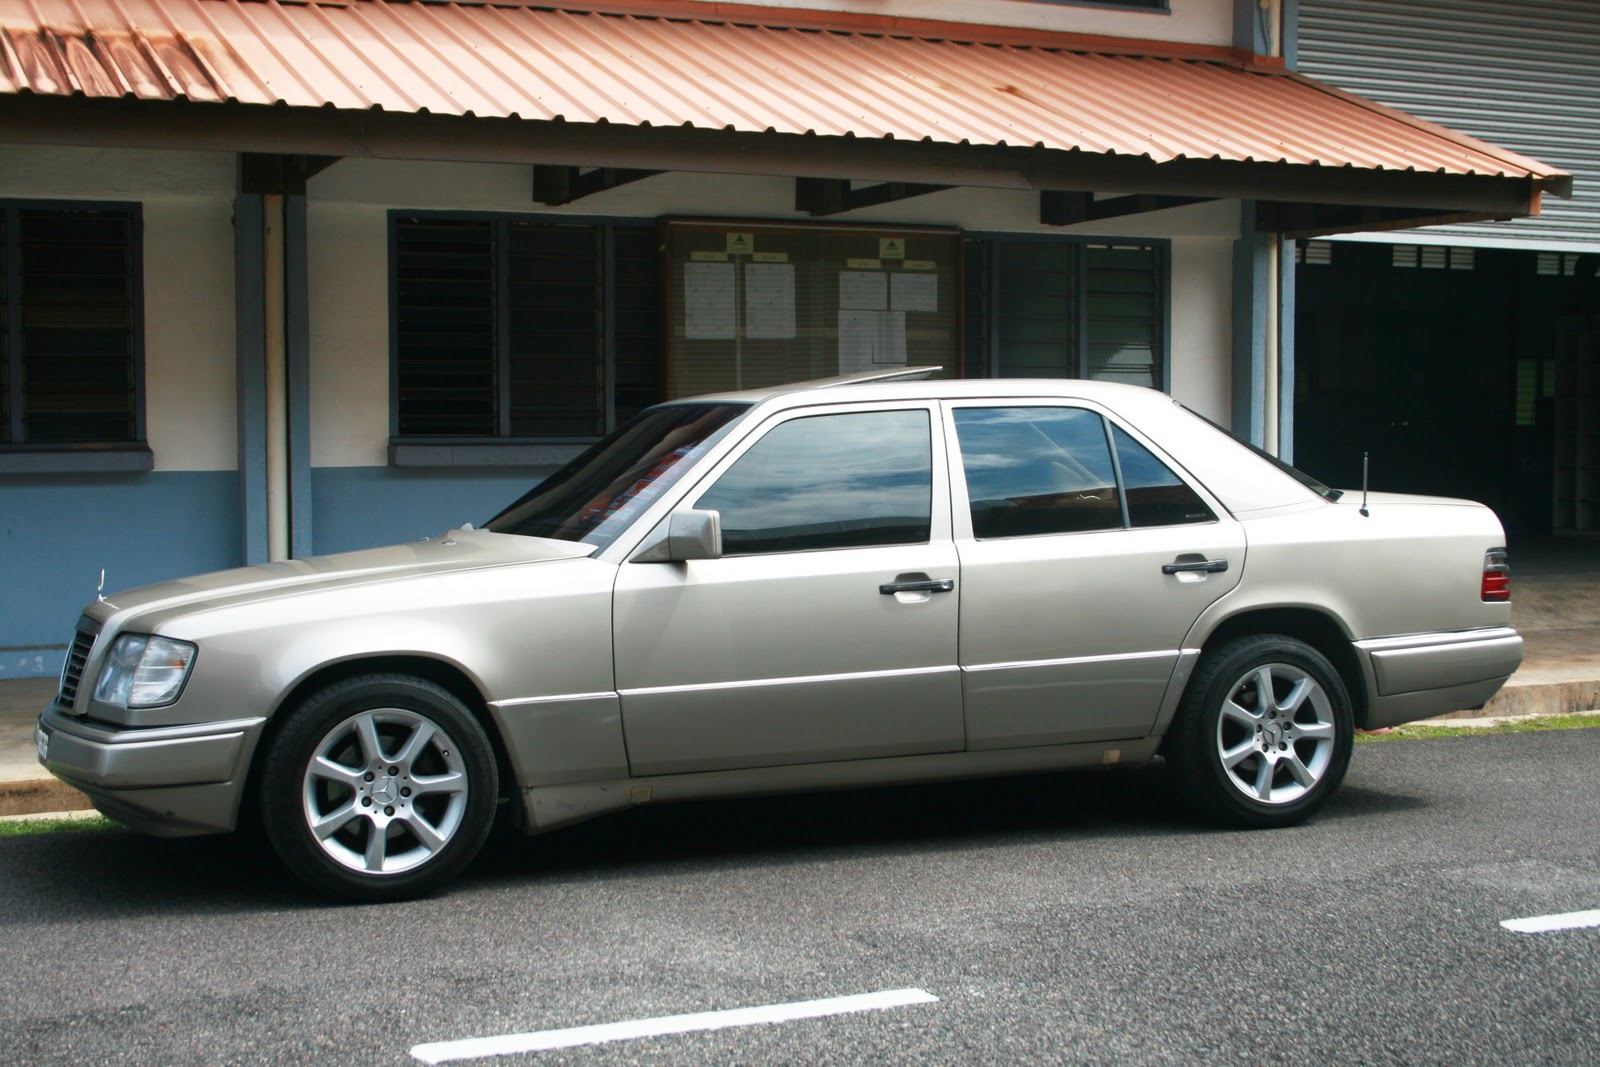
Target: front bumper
[
  {"x": 1418, "y": 676},
  {"x": 170, "y": 780}
]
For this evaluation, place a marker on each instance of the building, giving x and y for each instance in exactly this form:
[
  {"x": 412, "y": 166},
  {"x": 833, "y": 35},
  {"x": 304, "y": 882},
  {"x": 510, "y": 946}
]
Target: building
[
  {"x": 1464, "y": 358},
  {"x": 288, "y": 278}
]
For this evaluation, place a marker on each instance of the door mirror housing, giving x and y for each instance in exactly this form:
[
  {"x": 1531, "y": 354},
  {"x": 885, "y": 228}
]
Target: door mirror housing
[
  {"x": 687, "y": 534},
  {"x": 693, "y": 534}
]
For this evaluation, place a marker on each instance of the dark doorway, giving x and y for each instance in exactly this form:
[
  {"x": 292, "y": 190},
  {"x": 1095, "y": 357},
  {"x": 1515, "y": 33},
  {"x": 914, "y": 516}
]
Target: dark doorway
[{"x": 1440, "y": 363}]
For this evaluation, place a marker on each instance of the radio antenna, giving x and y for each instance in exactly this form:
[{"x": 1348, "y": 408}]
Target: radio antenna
[{"x": 1364, "y": 511}]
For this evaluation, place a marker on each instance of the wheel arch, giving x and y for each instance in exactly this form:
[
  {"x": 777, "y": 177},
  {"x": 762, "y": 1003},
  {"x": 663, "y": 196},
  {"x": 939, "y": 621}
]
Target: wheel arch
[
  {"x": 1317, "y": 629},
  {"x": 447, "y": 676}
]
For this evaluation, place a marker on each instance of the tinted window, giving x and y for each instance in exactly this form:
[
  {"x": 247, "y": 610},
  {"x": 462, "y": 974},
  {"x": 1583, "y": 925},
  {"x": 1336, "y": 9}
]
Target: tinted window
[
  {"x": 829, "y": 481},
  {"x": 1156, "y": 496},
  {"x": 1037, "y": 471}
]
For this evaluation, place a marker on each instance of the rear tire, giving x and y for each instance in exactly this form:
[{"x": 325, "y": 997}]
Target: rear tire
[
  {"x": 1263, "y": 735},
  {"x": 381, "y": 787}
]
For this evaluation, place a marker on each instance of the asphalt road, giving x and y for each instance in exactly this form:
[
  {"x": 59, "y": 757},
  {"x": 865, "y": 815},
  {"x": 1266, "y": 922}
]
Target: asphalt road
[{"x": 1067, "y": 919}]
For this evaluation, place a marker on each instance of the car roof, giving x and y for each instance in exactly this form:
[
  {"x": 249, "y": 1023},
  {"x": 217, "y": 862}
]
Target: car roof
[{"x": 919, "y": 383}]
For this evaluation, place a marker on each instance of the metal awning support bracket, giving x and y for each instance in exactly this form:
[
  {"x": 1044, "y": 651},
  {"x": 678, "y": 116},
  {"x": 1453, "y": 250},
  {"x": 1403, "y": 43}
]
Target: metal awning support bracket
[
  {"x": 1061, "y": 208},
  {"x": 556, "y": 185},
  {"x": 833, "y": 196}
]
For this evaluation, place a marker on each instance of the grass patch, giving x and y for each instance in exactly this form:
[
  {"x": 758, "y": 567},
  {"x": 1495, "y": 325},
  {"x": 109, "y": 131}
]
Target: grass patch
[
  {"x": 1415, "y": 730},
  {"x": 28, "y": 827}
]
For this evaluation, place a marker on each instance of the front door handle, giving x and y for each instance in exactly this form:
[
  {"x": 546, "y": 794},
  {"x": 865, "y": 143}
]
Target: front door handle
[
  {"x": 931, "y": 585},
  {"x": 1208, "y": 566}
]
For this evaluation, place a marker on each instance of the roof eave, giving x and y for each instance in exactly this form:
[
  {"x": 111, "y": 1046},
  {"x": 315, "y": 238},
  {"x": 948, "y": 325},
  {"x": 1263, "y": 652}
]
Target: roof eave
[{"x": 377, "y": 134}]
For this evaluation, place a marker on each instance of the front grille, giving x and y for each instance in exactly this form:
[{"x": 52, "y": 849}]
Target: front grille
[{"x": 77, "y": 657}]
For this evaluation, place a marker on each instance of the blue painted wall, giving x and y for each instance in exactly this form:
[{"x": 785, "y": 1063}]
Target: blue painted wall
[
  {"x": 359, "y": 507},
  {"x": 57, "y": 531}
]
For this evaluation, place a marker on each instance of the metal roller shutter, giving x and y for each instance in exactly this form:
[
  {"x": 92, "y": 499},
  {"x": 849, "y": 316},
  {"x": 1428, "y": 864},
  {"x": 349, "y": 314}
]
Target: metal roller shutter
[{"x": 1524, "y": 75}]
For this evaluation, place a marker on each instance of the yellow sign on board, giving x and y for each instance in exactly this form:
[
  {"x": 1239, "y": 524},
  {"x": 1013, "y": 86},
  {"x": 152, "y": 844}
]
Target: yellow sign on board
[
  {"x": 921, "y": 264},
  {"x": 741, "y": 244},
  {"x": 772, "y": 257},
  {"x": 891, "y": 248},
  {"x": 709, "y": 257},
  {"x": 864, "y": 264}
]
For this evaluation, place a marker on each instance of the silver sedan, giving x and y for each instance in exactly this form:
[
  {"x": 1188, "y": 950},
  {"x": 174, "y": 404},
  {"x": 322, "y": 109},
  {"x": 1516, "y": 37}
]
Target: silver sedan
[{"x": 829, "y": 585}]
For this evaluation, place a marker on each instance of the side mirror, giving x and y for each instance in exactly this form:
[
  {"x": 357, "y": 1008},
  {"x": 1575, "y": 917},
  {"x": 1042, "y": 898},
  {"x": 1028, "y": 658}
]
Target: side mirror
[
  {"x": 694, "y": 535},
  {"x": 686, "y": 535}
]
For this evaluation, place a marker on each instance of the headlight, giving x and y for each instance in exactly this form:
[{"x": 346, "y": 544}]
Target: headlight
[{"x": 144, "y": 671}]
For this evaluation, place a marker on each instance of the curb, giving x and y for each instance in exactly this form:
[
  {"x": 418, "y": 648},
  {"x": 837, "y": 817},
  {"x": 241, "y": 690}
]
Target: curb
[{"x": 37, "y": 796}]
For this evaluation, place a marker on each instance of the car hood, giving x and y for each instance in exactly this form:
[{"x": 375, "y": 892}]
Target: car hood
[{"x": 456, "y": 551}]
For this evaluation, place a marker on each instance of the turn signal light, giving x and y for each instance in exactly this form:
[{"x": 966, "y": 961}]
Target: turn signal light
[{"x": 1496, "y": 575}]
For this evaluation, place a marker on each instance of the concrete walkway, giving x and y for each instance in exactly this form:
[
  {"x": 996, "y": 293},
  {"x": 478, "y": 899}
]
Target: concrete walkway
[{"x": 1555, "y": 605}]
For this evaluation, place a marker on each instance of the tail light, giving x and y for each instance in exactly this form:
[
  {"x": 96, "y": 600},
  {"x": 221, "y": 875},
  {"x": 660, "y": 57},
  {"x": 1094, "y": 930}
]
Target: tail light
[{"x": 1496, "y": 576}]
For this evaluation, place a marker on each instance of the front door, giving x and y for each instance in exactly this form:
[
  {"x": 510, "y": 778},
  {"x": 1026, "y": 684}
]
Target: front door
[{"x": 809, "y": 641}]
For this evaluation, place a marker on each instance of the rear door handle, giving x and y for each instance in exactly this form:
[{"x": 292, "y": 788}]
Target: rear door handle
[
  {"x": 1209, "y": 566},
  {"x": 932, "y": 585}
]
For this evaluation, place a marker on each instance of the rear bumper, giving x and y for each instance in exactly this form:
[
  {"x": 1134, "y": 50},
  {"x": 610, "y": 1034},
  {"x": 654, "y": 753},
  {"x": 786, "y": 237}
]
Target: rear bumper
[
  {"x": 1421, "y": 675},
  {"x": 167, "y": 780}
]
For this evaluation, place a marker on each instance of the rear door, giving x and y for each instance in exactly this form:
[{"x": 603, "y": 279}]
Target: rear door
[{"x": 1085, "y": 559}]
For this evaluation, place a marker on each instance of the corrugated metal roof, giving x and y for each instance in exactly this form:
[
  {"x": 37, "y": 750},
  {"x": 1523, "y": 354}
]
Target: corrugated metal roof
[{"x": 591, "y": 67}]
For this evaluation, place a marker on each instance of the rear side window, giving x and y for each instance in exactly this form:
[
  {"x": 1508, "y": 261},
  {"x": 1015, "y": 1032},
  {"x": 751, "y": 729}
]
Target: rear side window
[
  {"x": 829, "y": 481},
  {"x": 1051, "y": 470},
  {"x": 1037, "y": 471},
  {"x": 1156, "y": 496}
]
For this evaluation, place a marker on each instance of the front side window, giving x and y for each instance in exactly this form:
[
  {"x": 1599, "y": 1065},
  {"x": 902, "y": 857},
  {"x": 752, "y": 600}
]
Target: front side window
[
  {"x": 69, "y": 325},
  {"x": 829, "y": 481}
]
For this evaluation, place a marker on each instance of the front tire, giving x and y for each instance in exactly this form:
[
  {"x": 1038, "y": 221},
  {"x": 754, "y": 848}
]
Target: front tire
[
  {"x": 1263, "y": 735},
  {"x": 381, "y": 787}
]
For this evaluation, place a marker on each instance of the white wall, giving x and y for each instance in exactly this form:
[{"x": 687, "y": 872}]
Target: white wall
[
  {"x": 1202, "y": 325},
  {"x": 348, "y": 205},
  {"x": 1189, "y": 21},
  {"x": 187, "y": 200}
]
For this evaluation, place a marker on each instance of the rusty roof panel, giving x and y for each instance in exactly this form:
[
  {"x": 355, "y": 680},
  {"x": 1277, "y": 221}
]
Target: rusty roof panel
[{"x": 590, "y": 67}]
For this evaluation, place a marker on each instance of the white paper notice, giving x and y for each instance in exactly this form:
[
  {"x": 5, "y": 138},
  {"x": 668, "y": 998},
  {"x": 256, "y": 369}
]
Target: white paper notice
[
  {"x": 769, "y": 301},
  {"x": 914, "y": 292},
  {"x": 871, "y": 340},
  {"x": 709, "y": 308},
  {"x": 863, "y": 290}
]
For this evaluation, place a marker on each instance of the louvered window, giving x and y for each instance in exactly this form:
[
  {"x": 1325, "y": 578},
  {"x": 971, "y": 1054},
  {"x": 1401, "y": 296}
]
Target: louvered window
[
  {"x": 69, "y": 324},
  {"x": 1061, "y": 308},
  {"x": 505, "y": 328}
]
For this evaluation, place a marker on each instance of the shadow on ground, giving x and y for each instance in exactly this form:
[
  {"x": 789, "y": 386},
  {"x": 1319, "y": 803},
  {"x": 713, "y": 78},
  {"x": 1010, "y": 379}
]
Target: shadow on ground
[{"x": 118, "y": 873}]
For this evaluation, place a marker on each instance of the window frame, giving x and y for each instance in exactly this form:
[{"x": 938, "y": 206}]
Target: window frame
[
  {"x": 939, "y": 528},
  {"x": 541, "y": 450},
  {"x": 987, "y": 363},
  {"x": 21, "y": 456}
]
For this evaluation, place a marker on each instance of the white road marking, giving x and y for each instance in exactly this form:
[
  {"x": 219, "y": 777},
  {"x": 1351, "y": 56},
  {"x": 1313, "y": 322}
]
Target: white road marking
[
  {"x": 544, "y": 1040},
  {"x": 1544, "y": 924}
]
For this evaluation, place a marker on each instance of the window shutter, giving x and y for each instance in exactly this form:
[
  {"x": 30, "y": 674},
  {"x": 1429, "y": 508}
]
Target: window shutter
[
  {"x": 636, "y": 294},
  {"x": 554, "y": 307},
  {"x": 445, "y": 328},
  {"x": 74, "y": 295},
  {"x": 1124, "y": 314}
]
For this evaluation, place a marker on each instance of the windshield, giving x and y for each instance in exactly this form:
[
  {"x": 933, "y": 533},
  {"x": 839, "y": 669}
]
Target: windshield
[
  {"x": 595, "y": 497},
  {"x": 1294, "y": 472}
]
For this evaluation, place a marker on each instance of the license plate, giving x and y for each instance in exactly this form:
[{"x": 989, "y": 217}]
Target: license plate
[{"x": 41, "y": 741}]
